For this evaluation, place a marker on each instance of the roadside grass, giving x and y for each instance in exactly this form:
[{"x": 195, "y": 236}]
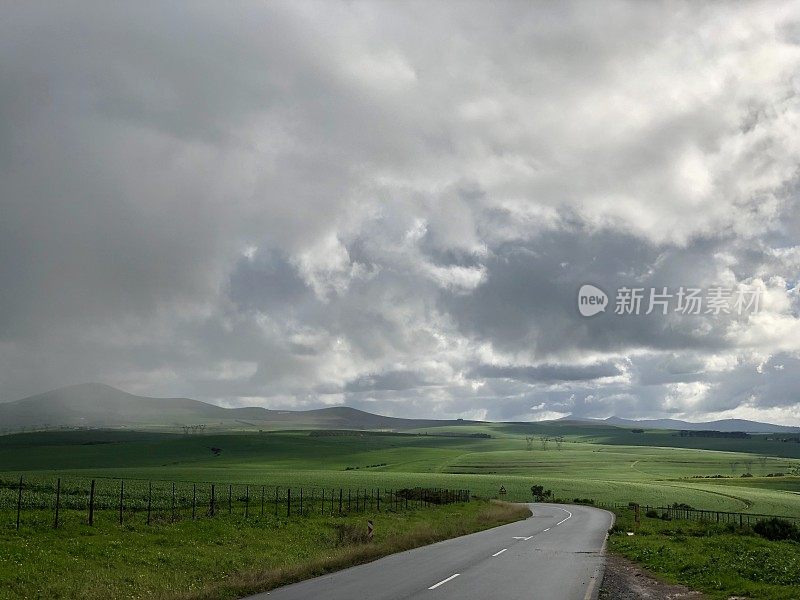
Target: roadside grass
[
  {"x": 217, "y": 558},
  {"x": 720, "y": 560}
]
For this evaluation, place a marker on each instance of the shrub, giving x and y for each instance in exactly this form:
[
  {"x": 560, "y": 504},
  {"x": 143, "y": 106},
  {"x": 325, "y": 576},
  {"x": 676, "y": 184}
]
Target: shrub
[
  {"x": 651, "y": 514},
  {"x": 348, "y": 534},
  {"x": 777, "y": 529}
]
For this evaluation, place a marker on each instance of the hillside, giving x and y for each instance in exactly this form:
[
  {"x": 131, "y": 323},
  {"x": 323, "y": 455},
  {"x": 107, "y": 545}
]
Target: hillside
[
  {"x": 95, "y": 405},
  {"x": 727, "y": 425}
]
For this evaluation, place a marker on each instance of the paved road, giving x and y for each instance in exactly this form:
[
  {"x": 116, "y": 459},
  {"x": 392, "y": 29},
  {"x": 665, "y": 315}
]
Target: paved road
[{"x": 555, "y": 555}]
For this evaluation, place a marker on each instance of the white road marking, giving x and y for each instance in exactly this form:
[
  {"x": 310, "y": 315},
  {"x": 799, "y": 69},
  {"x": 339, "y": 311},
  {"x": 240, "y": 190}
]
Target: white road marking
[
  {"x": 443, "y": 581},
  {"x": 499, "y": 553},
  {"x": 566, "y": 511},
  {"x": 548, "y": 529},
  {"x": 518, "y": 537}
]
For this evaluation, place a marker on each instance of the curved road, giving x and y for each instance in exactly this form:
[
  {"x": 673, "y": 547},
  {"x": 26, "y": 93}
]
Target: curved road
[{"x": 557, "y": 554}]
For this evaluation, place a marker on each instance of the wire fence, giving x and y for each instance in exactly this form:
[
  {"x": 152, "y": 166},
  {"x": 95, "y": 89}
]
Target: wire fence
[
  {"x": 54, "y": 502},
  {"x": 689, "y": 513}
]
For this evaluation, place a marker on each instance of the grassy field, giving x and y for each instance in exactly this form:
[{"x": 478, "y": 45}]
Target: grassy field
[
  {"x": 233, "y": 555},
  {"x": 230, "y": 557},
  {"x": 722, "y": 561},
  {"x": 606, "y": 472}
]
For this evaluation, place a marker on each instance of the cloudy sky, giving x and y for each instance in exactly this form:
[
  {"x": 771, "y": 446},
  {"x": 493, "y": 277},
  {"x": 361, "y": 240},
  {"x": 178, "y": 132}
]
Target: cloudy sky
[{"x": 392, "y": 205}]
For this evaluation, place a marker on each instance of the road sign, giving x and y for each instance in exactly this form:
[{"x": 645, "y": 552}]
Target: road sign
[{"x": 502, "y": 490}]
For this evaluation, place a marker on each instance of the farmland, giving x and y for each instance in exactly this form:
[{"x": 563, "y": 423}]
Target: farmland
[
  {"x": 240, "y": 479},
  {"x": 579, "y": 466}
]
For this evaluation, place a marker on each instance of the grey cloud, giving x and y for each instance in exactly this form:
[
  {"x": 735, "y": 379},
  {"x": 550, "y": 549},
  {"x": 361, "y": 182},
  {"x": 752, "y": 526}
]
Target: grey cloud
[{"x": 304, "y": 203}]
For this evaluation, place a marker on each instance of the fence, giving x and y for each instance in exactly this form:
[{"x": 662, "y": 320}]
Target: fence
[
  {"x": 53, "y": 502},
  {"x": 688, "y": 513}
]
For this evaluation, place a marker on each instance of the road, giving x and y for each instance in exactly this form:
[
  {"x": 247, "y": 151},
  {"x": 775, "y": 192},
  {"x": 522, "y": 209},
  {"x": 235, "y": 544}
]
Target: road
[{"x": 557, "y": 554}]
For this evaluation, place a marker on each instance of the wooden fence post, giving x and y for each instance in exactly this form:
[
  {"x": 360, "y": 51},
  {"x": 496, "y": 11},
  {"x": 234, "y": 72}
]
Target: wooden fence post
[
  {"x": 19, "y": 501},
  {"x": 91, "y": 504},
  {"x": 340, "y": 500},
  {"x": 379, "y": 499},
  {"x": 149, "y": 500},
  {"x": 58, "y": 502}
]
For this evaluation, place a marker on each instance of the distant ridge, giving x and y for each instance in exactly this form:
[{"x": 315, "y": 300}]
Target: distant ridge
[
  {"x": 96, "y": 405},
  {"x": 726, "y": 425}
]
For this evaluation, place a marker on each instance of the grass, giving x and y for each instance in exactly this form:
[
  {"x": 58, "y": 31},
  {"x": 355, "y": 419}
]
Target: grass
[
  {"x": 606, "y": 472},
  {"x": 719, "y": 560},
  {"x": 230, "y": 557}
]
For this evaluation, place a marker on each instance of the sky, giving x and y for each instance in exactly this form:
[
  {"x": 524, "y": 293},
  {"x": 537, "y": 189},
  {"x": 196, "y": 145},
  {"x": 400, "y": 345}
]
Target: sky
[{"x": 393, "y": 205}]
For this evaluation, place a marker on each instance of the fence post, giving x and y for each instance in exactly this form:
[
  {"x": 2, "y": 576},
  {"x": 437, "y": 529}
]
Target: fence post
[
  {"x": 121, "y": 499},
  {"x": 246, "y": 501},
  {"x": 288, "y": 502},
  {"x": 340, "y": 500},
  {"x": 172, "y": 505},
  {"x": 276, "y": 500},
  {"x": 379, "y": 499},
  {"x": 230, "y": 499},
  {"x": 262, "y": 501},
  {"x": 58, "y": 501},
  {"x": 323, "y": 502},
  {"x": 149, "y": 500},
  {"x": 19, "y": 501},
  {"x": 194, "y": 500},
  {"x": 211, "y": 506},
  {"x": 349, "y": 501},
  {"x": 301, "y": 502},
  {"x": 91, "y": 504}
]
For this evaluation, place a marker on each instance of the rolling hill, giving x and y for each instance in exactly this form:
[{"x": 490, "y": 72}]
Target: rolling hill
[
  {"x": 95, "y": 405},
  {"x": 727, "y": 425}
]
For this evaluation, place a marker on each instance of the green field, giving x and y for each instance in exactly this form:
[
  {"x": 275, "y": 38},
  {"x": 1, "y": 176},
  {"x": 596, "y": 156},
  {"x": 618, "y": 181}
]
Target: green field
[{"x": 591, "y": 462}]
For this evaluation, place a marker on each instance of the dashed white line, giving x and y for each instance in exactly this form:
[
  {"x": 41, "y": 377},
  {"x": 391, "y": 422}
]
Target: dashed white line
[
  {"x": 548, "y": 529},
  {"x": 519, "y": 537},
  {"x": 443, "y": 581},
  {"x": 499, "y": 553}
]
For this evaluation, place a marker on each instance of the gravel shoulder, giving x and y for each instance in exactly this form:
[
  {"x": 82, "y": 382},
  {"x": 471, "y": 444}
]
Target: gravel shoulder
[{"x": 625, "y": 580}]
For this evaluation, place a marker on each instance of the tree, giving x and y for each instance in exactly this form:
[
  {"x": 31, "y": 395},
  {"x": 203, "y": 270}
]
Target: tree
[
  {"x": 529, "y": 442},
  {"x": 544, "y": 439},
  {"x": 539, "y": 493}
]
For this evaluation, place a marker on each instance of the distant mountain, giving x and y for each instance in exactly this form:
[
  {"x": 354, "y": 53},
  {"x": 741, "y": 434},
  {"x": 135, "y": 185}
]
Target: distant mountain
[
  {"x": 721, "y": 425},
  {"x": 96, "y": 405}
]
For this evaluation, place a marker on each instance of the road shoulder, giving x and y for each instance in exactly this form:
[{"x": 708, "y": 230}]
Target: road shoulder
[{"x": 625, "y": 580}]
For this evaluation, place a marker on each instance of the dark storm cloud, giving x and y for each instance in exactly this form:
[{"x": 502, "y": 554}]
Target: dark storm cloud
[{"x": 548, "y": 373}]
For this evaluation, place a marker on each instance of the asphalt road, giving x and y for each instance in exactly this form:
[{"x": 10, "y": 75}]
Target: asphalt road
[{"x": 557, "y": 554}]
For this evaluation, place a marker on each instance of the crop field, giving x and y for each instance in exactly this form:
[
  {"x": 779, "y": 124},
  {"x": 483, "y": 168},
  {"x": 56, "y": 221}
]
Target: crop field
[{"x": 575, "y": 467}]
